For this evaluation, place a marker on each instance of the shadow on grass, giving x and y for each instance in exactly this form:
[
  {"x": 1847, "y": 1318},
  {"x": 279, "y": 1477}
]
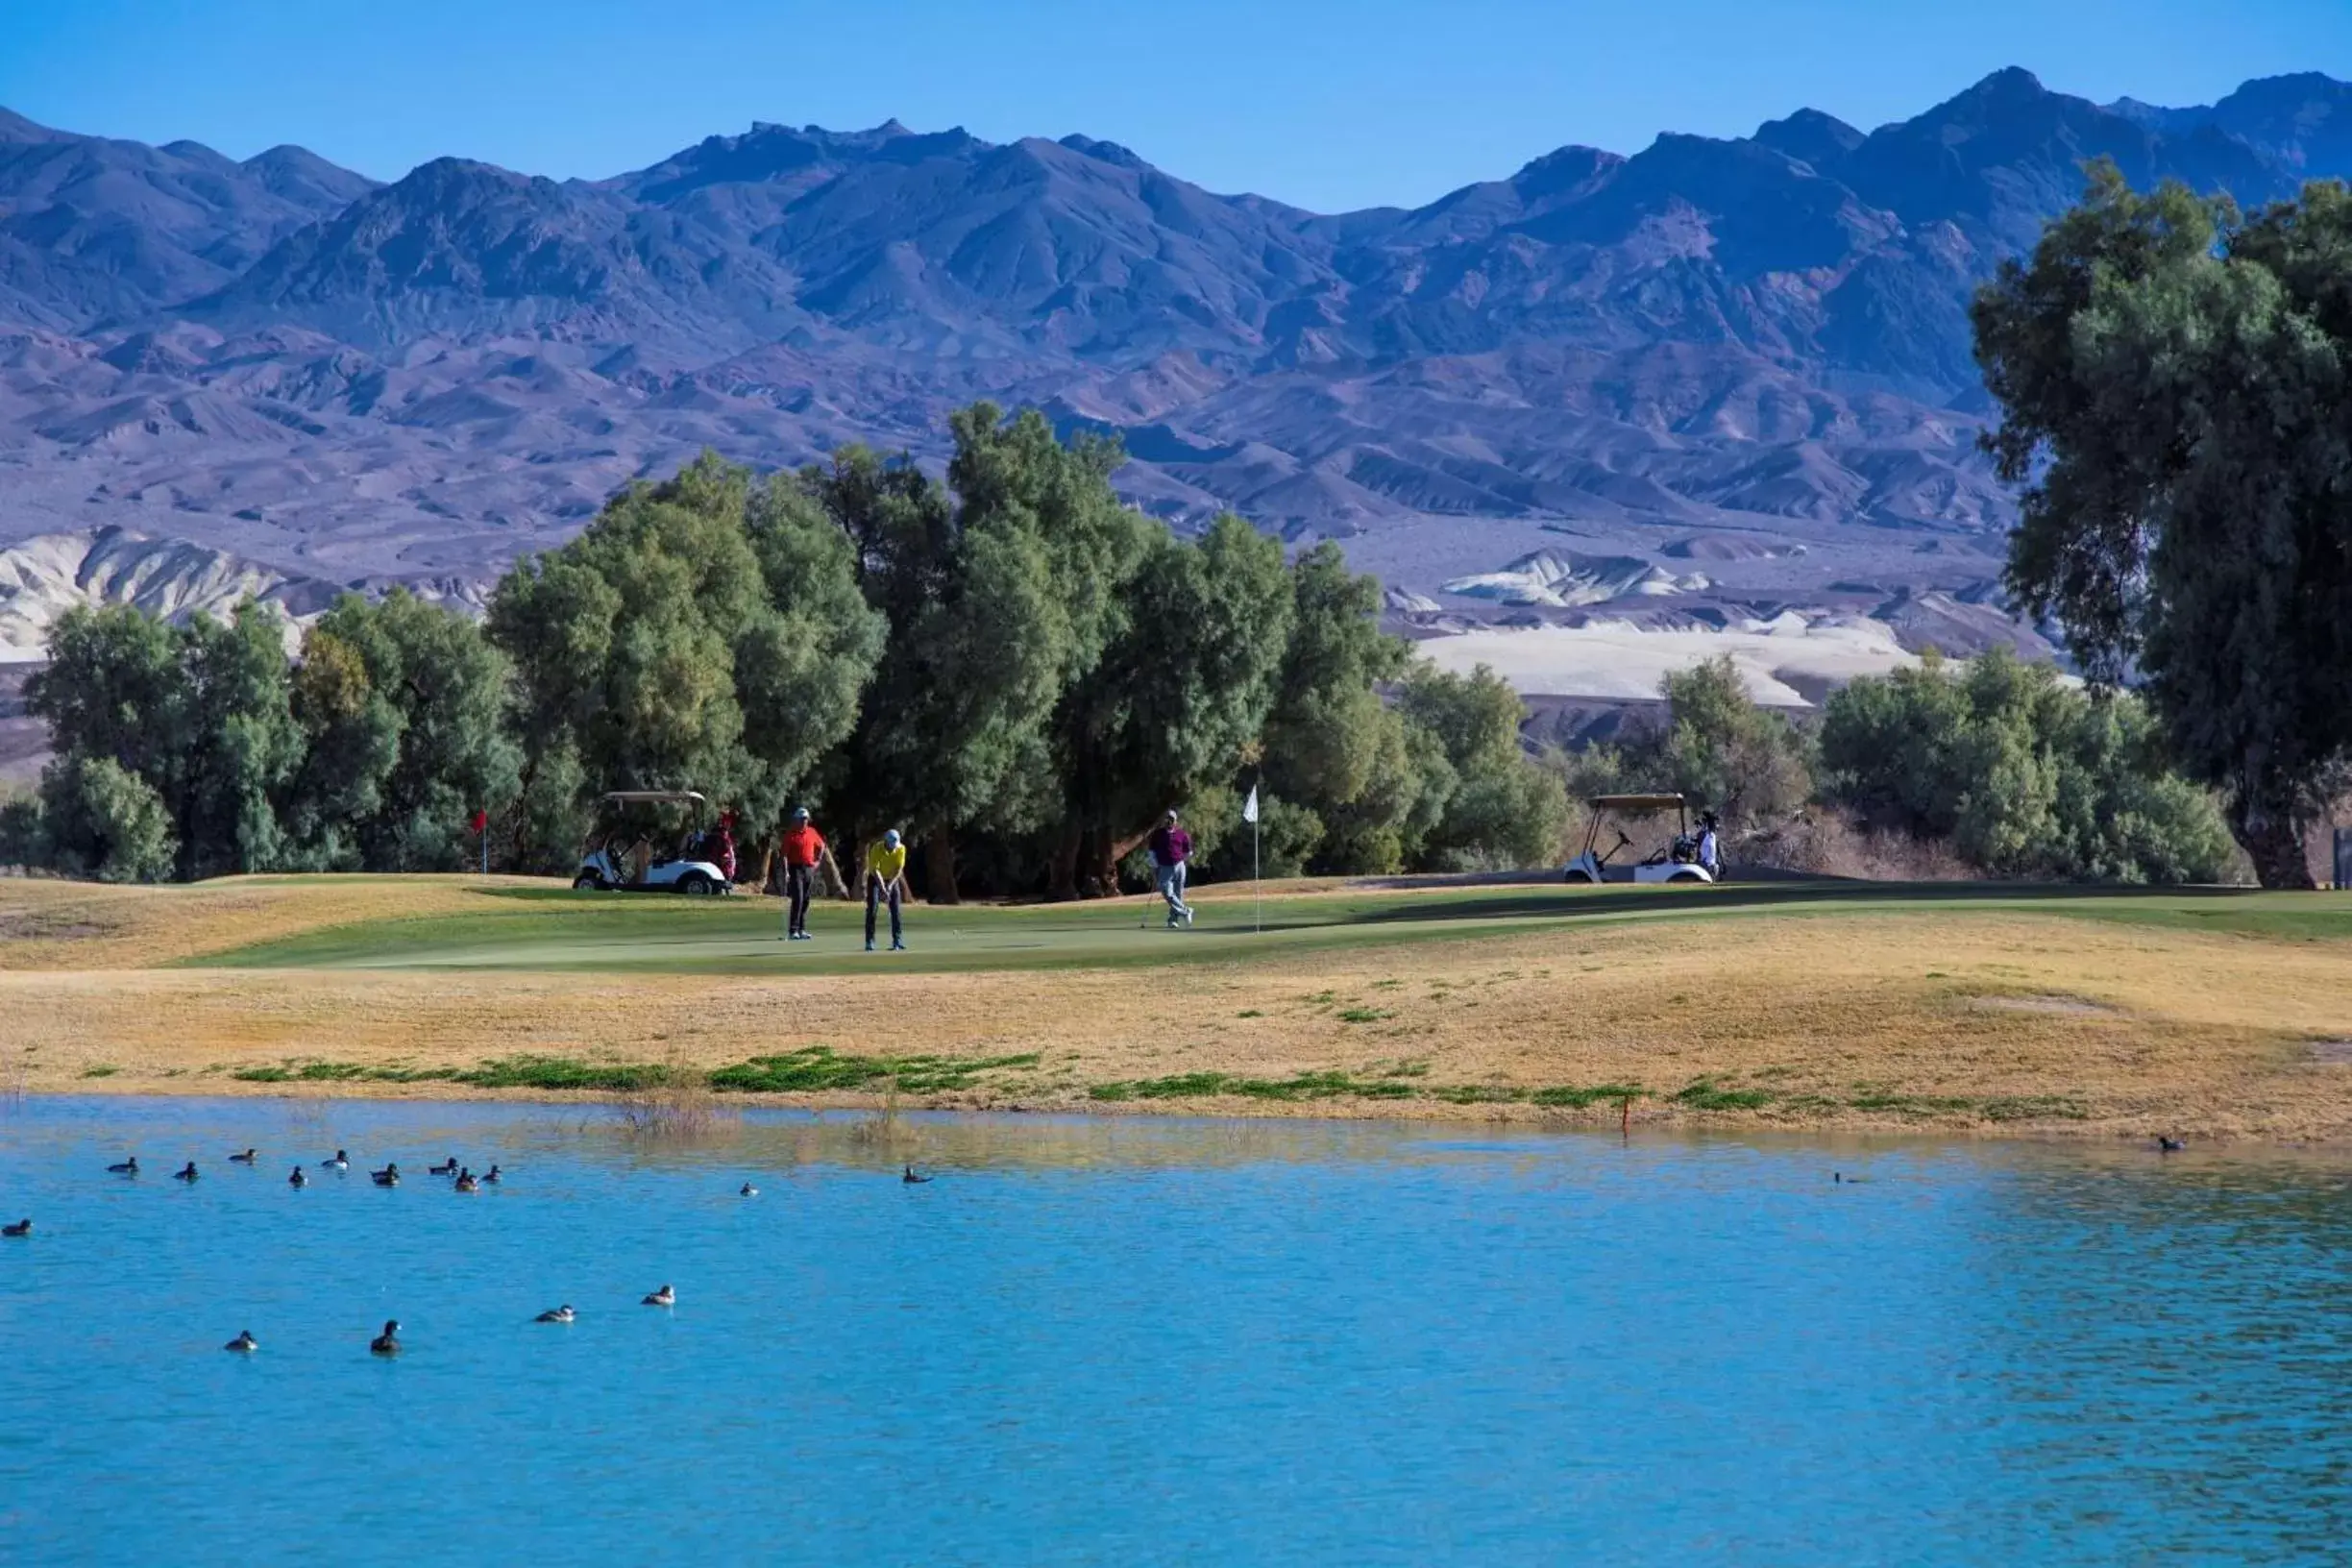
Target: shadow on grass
[{"x": 1619, "y": 899}]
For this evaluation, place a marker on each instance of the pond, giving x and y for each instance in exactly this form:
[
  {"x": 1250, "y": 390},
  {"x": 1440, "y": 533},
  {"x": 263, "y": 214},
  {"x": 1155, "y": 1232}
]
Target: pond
[{"x": 1138, "y": 1341}]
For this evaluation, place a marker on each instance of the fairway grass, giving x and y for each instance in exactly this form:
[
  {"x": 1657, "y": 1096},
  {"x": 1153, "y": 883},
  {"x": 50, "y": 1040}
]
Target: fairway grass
[{"x": 1813, "y": 1005}]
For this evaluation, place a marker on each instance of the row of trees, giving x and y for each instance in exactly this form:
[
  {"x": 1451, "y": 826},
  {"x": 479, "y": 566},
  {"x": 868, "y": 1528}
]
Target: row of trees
[
  {"x": 2021, "y": 774},
  {"x": 1009, "y": 666}
]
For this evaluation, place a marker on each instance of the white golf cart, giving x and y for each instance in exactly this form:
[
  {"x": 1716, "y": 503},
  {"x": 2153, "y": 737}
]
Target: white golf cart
[
  {"x": 624, "y": 859},
  {"x": 1677, "y": 861}
]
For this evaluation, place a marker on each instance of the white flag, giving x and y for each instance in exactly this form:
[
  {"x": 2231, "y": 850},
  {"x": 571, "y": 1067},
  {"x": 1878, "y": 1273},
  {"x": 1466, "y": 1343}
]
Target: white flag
[{"x": 1249, "y": 807}]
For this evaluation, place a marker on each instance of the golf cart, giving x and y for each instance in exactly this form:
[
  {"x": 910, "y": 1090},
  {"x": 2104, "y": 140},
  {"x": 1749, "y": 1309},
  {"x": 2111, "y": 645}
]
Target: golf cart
[
  {"x": 1677, "y": 861},
  {"x": 621, "y": 859}
]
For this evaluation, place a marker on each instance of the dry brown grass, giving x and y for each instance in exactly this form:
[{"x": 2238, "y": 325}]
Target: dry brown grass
[
  {"x": 48, "y": 924},
  {"x": 1926, "y": 1018}
]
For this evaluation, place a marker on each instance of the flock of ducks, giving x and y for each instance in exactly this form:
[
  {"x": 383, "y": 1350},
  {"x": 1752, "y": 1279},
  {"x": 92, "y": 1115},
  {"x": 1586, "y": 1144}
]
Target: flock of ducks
[{"x": 387, "y": 1343}]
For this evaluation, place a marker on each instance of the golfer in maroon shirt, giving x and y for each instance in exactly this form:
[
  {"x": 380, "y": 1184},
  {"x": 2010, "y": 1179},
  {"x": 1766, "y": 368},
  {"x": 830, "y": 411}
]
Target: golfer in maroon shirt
[{"x": 1170, "y": 847}]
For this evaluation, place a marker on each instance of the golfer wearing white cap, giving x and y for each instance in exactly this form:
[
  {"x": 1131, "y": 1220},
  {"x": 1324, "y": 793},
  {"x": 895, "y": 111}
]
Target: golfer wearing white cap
[{"x": 885, "y": 879}]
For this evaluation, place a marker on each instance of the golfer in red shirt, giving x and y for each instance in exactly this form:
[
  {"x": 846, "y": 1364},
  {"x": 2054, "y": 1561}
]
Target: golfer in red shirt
[{"x": 803, "y": 847}]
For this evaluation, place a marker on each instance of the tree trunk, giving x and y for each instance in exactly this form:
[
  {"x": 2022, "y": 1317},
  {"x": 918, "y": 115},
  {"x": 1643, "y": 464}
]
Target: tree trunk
[
  {"x": 1062, "y": 874},
  {"x": 2272, "y": 838},
  {"x": 938, "y": 866}
]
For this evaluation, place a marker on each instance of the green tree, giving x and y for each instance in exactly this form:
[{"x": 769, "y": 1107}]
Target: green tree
[
  {"x": 2175, "y": 387},
  {"x": 1723, "y": 750},
  {"x": 2025, "y": 777},
  {"x": 351, "y": 742},
  {"x": 404, "y": 705},
  {"x": 1504, "y": 810},
  {"x": 1183, "y": 687},
  {"x": 997, "y": 601},
  {"x": 704, "y": 633},
  {"x": 99, "y": 818},
  {"x": 1332, "y": 746},
  {"x": 199, "y": 713}
]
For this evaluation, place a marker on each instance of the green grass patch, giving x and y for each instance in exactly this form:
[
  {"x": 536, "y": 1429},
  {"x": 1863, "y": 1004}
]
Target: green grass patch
[
  {"x": 817, "y": 1068},
  {"x": 1997, "y": 1108},
  {"x": 1478, "y": 1095},
  {"x": 1705, "y": 1094},
  {"x": 565, "y": 1072},
  {"x": 1570, "y": 1097},
  {"x": 1362, "y": 1014},
  {"x": 1305, "y": 1085},
  {"x": 347, "y": 1072},
  {"x": 99, "y": 1070}
]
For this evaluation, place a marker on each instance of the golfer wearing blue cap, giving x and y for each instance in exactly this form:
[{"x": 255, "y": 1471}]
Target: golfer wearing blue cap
[{"x": 886, "y": 879}]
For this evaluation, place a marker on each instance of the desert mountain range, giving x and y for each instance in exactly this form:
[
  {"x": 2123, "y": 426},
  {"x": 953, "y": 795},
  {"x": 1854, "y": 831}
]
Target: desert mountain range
[{"x": 1706, "y": 387}]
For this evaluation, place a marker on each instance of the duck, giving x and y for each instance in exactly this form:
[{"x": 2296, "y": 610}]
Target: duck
[
  {"x": 23, "y": 1227},
  {"x": 298, "y": 1179},
  {"x": 340, "y": 1162},
  {"x": 448, "y": 1167},
  {"x": 748, "y": 1190},
  {"x": 185, "y": 1173},
  {"x": 664, "y": 1297},
  {"x": 244, "y": 1342},
  {"x": 389, "y": 1176},
  {"x": 387, "y": 1343},
  {"x": 911, "y": 1177},
  {"x": 2168, "y": 1145},
  {"x": 128, "y": 1167},
  {"x": 246, "y": 1159},
  {"x": 466, "y": 1182},
  {"x": 492, "y": 1175},
  {"x": 556, "y": 1314}
]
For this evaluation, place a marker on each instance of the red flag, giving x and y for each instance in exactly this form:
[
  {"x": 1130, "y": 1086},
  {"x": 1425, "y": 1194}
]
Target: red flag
[{"x": 482, "y": 823}]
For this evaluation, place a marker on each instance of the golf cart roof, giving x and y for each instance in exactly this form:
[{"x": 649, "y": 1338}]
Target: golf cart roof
[
  {"x": 1634, "y": 802},
  {"x": 655, "y": 797}
]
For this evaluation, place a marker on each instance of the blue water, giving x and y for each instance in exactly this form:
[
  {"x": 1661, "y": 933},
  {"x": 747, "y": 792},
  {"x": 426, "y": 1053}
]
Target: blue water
[{"x": 1144, "y": 1342}]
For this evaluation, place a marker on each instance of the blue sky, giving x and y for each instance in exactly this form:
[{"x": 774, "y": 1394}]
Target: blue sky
[{"x": 1328, "y": 104}]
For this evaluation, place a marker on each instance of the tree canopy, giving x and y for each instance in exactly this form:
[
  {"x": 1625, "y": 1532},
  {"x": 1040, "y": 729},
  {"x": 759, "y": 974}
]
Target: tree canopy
[
  {"x": 2175, "y": 385},
  {"x": 1003, "y": 661}
]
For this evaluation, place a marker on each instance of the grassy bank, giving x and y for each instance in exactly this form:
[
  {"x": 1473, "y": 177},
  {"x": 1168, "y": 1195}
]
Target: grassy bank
[{"x": 1837, "y": 1005}]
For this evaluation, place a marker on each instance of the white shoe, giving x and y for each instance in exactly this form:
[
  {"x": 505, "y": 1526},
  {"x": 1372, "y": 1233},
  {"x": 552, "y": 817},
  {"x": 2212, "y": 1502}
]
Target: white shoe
[{"x": 1187, "y": 915}]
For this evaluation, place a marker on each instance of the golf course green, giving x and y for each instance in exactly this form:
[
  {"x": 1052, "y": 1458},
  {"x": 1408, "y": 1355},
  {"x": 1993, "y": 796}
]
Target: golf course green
[{"x": 557, "y": 929}]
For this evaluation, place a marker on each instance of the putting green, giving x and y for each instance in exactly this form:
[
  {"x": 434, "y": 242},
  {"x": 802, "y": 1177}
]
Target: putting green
[{"x": 557, "y": 929}]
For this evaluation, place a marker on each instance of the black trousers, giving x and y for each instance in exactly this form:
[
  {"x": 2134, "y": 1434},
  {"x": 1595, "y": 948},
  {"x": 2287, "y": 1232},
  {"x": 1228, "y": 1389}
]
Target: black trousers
[
  {"x": 799, "y": 883},
  {"x": 874, "y": 896}
]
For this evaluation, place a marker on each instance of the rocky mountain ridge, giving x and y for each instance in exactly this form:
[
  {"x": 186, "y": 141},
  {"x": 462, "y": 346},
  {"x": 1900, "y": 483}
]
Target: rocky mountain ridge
[{"x": 1761, "y": 340}]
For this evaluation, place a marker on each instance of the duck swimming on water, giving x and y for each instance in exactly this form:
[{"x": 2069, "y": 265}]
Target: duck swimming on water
[
  {"x": 387, "y": 1343},
  {"x": 664, "y": 1297},
  {"x": 747, "y": 1191},
  {"x": 185, "y": 1173},
  {"x": 911, "y": 1177},
  {"x": 244, "y": 1342},
  {"x": 340, "y": 1162},
  {"x": 466, "y": 1182},
  {"x": 23, "y": 1227},
  {"x": 389, "y": 1176},
  {"x": 2168, "y": 1145},
  {"x": 298, "y": 1179},
  {"x": 245, "y": 1158},
  {"x": 448, "y": 1167},
  {"x": 556, "y": 1314},
  {"x": 493, "y": 1174},
  {"x": 129, "y": 1167}
]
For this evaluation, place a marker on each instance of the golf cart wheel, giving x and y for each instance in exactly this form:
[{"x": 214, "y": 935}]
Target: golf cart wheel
[
  {"x": 588, "y": 882},
  {"x": 694, "y": 884}
]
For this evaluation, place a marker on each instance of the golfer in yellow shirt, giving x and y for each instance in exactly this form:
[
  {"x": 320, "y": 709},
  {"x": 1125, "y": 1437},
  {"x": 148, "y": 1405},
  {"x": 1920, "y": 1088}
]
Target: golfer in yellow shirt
[{"x": 885, "y": 879}]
